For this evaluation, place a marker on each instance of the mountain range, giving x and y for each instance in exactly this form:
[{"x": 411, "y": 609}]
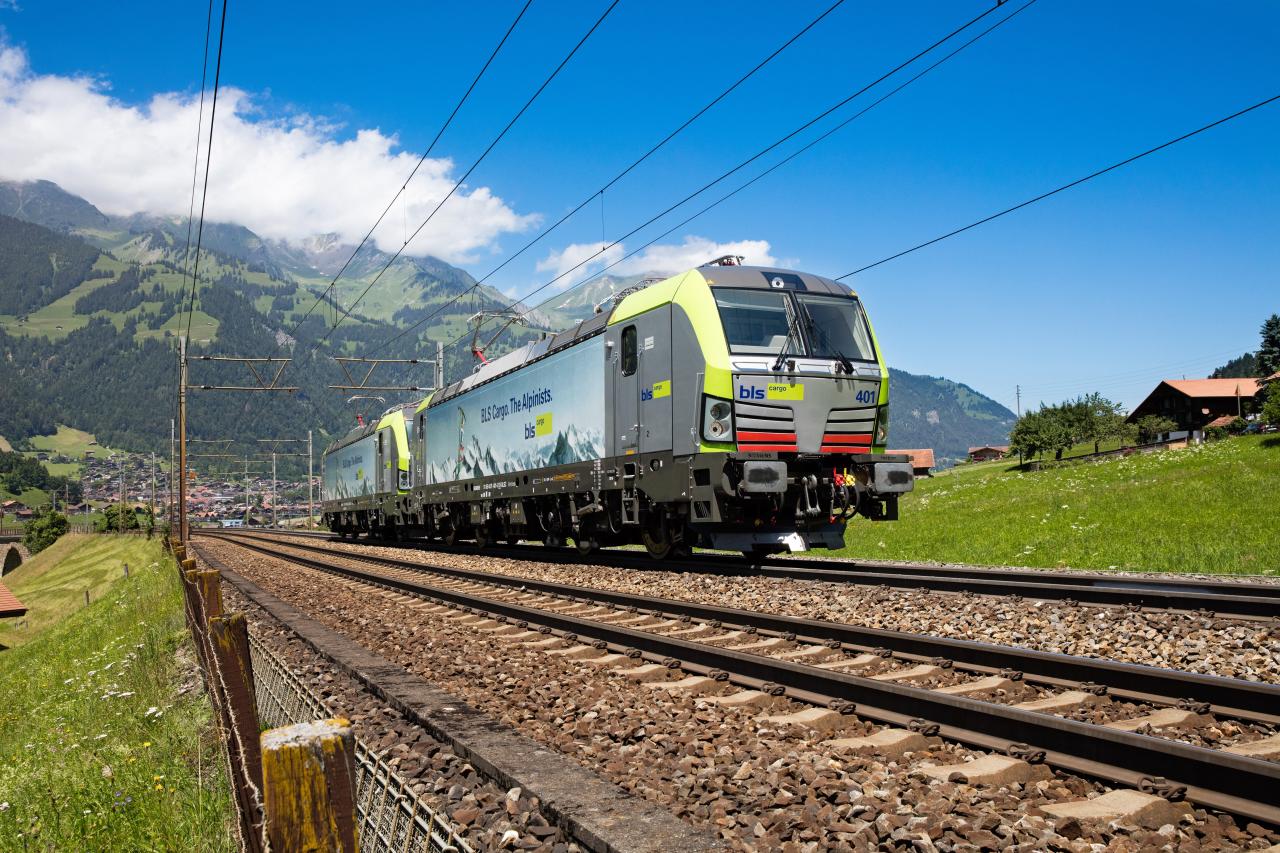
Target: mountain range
[{"x": 91, "y": 306}]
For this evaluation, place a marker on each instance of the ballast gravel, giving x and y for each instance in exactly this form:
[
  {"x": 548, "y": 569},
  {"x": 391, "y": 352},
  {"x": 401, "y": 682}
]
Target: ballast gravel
[
  {"x": 1213, "y": 646},
  {"x": 486, "y": 816},
  {"x": 759, "y": 785}
]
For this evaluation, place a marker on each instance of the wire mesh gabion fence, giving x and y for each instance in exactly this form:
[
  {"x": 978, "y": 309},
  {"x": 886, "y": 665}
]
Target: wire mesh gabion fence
[{"x": 392, "y": 818}]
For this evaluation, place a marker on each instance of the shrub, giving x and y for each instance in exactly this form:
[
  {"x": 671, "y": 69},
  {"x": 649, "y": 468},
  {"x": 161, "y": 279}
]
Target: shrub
[
  {"x": 1271, "y": 409},
  {"x": 111, "y": 518},
  {"x": 43, "y": 530},
  {"x": 1151, "y": 427}
]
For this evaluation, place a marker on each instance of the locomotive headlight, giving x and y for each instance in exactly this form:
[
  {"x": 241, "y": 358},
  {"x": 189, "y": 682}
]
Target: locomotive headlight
[
  {"x": 717, "y": 419},
  {"x": 882, "y": 425}
]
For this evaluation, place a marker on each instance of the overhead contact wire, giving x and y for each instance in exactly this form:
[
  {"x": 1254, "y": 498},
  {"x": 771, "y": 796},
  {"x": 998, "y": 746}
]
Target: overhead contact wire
[
  {"x": 616, "y": 178},
  {"x": 208, "y": 160},
  {"x": 755, "y": 157},
  {"x": 346, "y": 312},
  {"x": 427, "y": 153},
  {"x": 1077, "y": 182},
  {"x": 195, "y": 173}
]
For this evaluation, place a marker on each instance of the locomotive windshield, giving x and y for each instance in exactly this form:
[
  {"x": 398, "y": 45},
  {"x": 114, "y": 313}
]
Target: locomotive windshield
[
  {"x": 836, "y": 327},
  {"x": 766, "y": 322},
  {"x": 757, "y": 322}
]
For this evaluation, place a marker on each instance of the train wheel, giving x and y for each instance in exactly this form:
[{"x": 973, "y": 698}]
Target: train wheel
[
  {"x": 482, "y": 537},
  {"x": 586, "y": 545},
  {"x": 658, "y": 543},
  {"x": 450, "y": 536}
]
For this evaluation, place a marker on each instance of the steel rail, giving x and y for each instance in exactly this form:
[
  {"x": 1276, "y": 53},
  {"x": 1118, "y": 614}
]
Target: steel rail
[
  {"x": 1230, "y": 697},
  {"x": 1209, "y": 777},
  {"x": 1220, "y": 598}
]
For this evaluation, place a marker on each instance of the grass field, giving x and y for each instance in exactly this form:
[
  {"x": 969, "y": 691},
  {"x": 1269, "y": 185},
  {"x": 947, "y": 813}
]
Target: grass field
[
  {"x": 29, "y": 497},
  {"x": 101, "y": 748},
  {"x": 53, "y": 583},
  {"x": 1204, "y": 509},
  {"x": 68, "y": 442}
]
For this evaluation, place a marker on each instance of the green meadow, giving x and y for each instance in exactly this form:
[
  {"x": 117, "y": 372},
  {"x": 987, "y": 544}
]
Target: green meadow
[
  {"x": 104, "y": 743},
  {"x": 1211, "y": 508}
]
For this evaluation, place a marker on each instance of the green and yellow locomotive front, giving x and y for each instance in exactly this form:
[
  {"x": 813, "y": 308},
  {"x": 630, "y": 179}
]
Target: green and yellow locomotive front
[
  {"x": 793, "y": 412},
  {"x": 365, "y": 475}
]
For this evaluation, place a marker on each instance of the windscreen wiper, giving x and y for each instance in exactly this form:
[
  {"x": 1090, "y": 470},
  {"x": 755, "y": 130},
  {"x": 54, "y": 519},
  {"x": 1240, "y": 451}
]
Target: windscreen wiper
[
  {"x": 818, "y": 331},
  {"x": 793, "y": 327}
]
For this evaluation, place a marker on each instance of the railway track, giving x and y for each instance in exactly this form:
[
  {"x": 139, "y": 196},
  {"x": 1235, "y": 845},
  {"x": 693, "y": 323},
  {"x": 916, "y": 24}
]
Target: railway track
[
  {"x": 878, "y": 675},
  {"x": 1231, "y": 599}
]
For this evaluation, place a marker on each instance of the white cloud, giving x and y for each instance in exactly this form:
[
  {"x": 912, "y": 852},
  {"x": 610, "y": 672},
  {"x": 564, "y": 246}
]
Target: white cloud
[
  {"x": 658, "y": 259},
  {"x": 285, "y": 178},
  {"x": 591, "y": 256}
]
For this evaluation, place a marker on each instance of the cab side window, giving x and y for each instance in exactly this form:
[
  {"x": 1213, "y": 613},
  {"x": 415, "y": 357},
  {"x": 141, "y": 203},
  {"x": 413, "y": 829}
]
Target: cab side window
[{"x": 630, "y": 357}]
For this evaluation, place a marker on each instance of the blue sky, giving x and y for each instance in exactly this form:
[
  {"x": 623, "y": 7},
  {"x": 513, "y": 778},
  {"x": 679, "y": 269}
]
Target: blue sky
[{"x": 1164, "y": 268}]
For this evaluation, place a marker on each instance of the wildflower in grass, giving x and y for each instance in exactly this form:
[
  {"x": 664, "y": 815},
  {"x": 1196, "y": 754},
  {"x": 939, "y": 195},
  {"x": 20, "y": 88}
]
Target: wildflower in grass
[
  {"x": 146, "y": 743},
  {"x": 4, "y": 807}
]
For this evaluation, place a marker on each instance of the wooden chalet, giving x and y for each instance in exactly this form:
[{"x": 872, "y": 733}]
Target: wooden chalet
[{"x": 1194, "y": 404}]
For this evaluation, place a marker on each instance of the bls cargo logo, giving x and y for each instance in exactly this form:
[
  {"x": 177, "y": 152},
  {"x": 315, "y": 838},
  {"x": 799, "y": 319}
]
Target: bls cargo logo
[
  {"x": 658, "y": 391},
  {"x": 541, "y": 426},
  {"x": 772, "y": 391}
]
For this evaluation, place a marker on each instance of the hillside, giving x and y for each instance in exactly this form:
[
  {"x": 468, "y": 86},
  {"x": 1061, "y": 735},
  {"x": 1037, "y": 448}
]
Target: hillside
[
  {"x": 1125, "y": 513},
  {"x": 950, "y": 417},
  {"x": 91, "y": 306}
]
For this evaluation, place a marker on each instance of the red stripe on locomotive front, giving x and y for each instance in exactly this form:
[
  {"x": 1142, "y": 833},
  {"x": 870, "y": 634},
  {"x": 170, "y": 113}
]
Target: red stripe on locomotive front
[
  {"x": 749, "y": 437},
  {"x": 845, "y": 438}
]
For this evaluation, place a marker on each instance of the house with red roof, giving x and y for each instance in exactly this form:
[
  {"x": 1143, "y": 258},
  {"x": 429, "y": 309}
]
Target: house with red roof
[
  {"x": 1194, "y": 404},
  {"x": 9, "y": 604},
  {"x": 988, "y": 452},
  {"x": 921, "y": 460}
]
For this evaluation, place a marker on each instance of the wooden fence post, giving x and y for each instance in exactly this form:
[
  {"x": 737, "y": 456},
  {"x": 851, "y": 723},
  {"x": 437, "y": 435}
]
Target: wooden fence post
[
  {"x": 209, "y": 586},
  {"x": 308, "y": 791},
  {"x": 229, "y": 641}
]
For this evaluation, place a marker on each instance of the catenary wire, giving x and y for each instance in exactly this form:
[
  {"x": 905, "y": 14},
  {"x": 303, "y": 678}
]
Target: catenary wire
[
  {"x": 1136, "y": 374},
  {"x": 427, "y": 153},
  {"x": 346, "y": 312},
  {"x": 1065, "y": 187},
  {"x": 208, "y": 160},
  {"x": 191, "y": 208},
  {"x": 745, "y": 163},
  {"x": 614, "y": 180},
  {"x": 195, "y": 164}
]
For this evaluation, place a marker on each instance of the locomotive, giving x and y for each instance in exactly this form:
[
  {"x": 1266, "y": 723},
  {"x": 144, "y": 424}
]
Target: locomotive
[{"x": 729, "y": 407}]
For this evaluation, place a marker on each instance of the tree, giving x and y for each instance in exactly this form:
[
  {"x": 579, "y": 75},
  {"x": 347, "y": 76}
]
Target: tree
[
  {"x": 1103, "y": 420},
  {"x": 1271, "y": 408},
  {"x": 1244, "y": 367},
  {"x": 43, "y": 530},
  {"x": 1048, "y": 428},
  {"x": 1268, "y": 355},
  {"x": 1151, "y": 427},
  {"x": 110, "y": 522}
]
